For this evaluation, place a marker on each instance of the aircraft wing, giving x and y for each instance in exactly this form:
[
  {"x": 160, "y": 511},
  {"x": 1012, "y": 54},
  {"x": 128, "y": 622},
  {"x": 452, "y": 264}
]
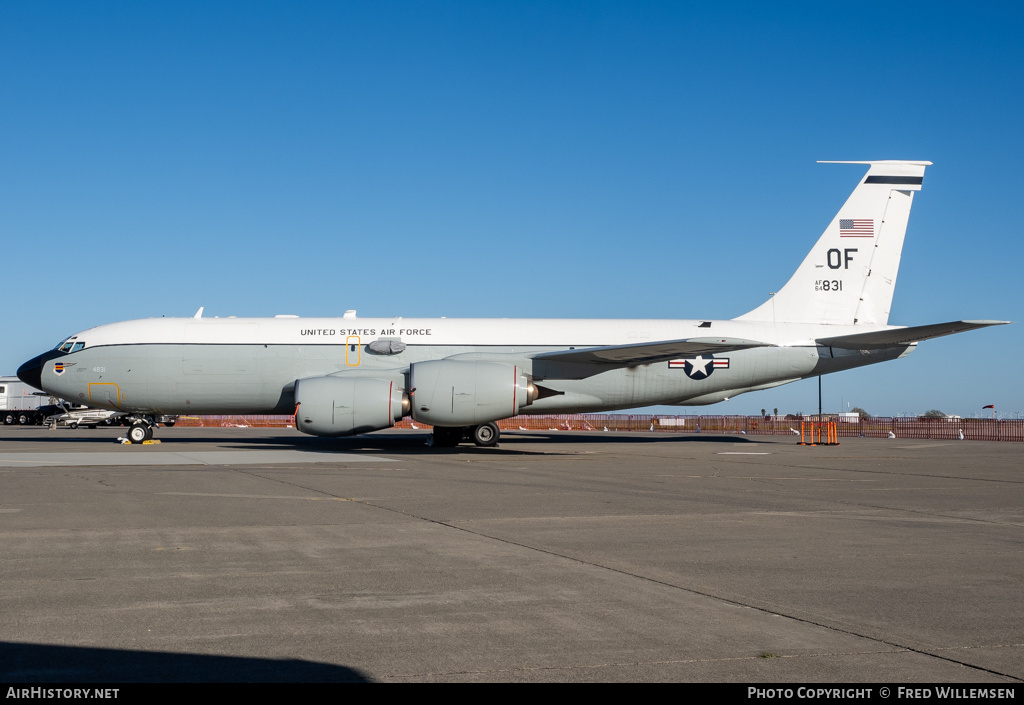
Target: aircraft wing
[
  {"x": 903, "y": 336},
  {"x": 584, "y": 362}
]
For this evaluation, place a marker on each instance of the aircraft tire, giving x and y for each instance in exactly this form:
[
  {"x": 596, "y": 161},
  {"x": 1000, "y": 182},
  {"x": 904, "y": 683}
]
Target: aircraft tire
[
  {"x": 73, "y": 424},
  {"x": 447, "y": 436},
  {"x": 140, "y": 432},
  {"x": 486, "y": 434}
]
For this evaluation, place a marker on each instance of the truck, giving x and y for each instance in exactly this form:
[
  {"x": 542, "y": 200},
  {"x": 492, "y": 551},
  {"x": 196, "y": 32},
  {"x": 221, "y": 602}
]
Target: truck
[{"x": 24, "y": 405}]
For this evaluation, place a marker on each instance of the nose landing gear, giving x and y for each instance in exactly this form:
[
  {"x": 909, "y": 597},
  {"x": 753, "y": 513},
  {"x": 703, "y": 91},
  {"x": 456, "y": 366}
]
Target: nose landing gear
[{"x": 140, "y": 432}]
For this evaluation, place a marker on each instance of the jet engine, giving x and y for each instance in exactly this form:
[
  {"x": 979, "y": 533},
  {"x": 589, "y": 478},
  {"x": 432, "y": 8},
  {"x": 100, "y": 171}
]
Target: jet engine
[
  {"x": 347, "y": 406},
  {"x": 466, "y": 393}
]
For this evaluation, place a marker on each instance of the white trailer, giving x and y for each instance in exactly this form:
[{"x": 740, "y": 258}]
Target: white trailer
[{"x": 22, "y": 404}]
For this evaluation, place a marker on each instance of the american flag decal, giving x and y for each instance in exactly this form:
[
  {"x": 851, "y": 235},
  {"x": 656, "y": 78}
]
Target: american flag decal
[{"x": 857, "y": 227}]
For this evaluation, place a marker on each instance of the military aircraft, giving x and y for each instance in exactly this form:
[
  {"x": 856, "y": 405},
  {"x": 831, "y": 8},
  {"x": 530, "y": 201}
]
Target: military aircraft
[{"x": 349, "y": 375}]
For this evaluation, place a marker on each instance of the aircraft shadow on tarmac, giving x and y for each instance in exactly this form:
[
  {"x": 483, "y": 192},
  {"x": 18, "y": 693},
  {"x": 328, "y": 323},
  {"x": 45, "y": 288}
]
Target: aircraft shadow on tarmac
[
  {"x": 511, "y": 442},
  {"x": 42, "y": 663},
  {"x": 394, "y": 443}
]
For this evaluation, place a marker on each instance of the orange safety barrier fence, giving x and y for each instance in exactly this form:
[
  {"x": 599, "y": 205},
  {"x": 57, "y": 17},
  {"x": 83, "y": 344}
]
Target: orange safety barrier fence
[{"x": 832, "y": 428}]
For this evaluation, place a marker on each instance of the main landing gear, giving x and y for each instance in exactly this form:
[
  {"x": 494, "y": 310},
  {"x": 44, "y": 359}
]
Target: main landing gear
[{"x": 485, "y": 435}]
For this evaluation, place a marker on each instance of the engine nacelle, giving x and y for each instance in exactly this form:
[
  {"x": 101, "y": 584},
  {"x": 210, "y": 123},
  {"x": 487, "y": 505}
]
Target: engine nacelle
[
  {"x": 347, "y": 406},
  {"x": 465, "y": 393}
]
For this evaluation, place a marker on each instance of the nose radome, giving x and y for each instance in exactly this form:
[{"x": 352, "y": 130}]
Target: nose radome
[{"x": 31, "y": 372}]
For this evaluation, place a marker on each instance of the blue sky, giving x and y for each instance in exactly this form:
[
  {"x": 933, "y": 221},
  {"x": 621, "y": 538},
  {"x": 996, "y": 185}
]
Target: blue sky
[{"x": 476, "y": 159}]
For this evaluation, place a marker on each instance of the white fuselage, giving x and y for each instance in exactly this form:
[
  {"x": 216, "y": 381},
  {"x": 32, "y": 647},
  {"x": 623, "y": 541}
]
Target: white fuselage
[{"x": 250, "y": 365}]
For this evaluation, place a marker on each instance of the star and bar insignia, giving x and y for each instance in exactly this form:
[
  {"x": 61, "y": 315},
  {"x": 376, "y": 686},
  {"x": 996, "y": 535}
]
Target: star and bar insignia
[{"x": 699, "y": 367}]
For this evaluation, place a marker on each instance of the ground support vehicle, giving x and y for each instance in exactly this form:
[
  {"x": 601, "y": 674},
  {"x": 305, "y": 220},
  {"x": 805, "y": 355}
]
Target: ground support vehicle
[
  {"x": 90, "y": 418},
  {"x": 24, "y": 405}
]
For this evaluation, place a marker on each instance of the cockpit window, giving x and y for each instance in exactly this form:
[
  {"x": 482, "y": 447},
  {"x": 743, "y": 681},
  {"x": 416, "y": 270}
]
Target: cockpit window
[{"x": 70, "y": 345}]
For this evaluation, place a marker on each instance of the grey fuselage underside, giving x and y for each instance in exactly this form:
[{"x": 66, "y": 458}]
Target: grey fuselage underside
[{"x": 175, "y": 378}]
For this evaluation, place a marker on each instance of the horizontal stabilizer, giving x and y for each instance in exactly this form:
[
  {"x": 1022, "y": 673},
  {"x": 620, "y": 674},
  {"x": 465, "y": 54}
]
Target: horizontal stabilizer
[
  {"x": 903, "y": 336},
  {"x": 644, "y": 353}
]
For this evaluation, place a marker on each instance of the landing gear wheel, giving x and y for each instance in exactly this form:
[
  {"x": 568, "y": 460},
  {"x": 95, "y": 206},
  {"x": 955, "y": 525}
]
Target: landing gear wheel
[
  {"x": 447, "y": 436},
  {"x": 486, "y": 434},
  {"x": 140, "y": 432}
]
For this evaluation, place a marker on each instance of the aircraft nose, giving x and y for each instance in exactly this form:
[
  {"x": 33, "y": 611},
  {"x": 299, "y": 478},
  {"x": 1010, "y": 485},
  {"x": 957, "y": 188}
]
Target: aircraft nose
[{"x": 31, "y": 372}]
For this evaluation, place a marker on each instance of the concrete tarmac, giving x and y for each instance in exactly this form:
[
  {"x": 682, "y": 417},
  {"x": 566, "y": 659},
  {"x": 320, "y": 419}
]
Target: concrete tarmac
[{"x": 228, "y": 554}]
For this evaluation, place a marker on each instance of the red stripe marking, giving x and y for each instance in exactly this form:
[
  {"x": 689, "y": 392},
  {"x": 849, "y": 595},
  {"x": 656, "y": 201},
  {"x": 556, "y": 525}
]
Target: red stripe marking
[{"x": 515, "y": 388}]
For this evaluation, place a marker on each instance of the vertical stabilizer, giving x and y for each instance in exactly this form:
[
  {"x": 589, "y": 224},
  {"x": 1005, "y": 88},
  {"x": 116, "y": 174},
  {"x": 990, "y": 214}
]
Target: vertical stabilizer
[{"x": 849, "y": 275}]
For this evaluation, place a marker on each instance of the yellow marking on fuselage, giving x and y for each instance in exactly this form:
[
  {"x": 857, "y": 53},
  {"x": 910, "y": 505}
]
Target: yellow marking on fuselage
[
  {"x": 352, "y": 350},
  {"x": 105, "y": 384}
]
